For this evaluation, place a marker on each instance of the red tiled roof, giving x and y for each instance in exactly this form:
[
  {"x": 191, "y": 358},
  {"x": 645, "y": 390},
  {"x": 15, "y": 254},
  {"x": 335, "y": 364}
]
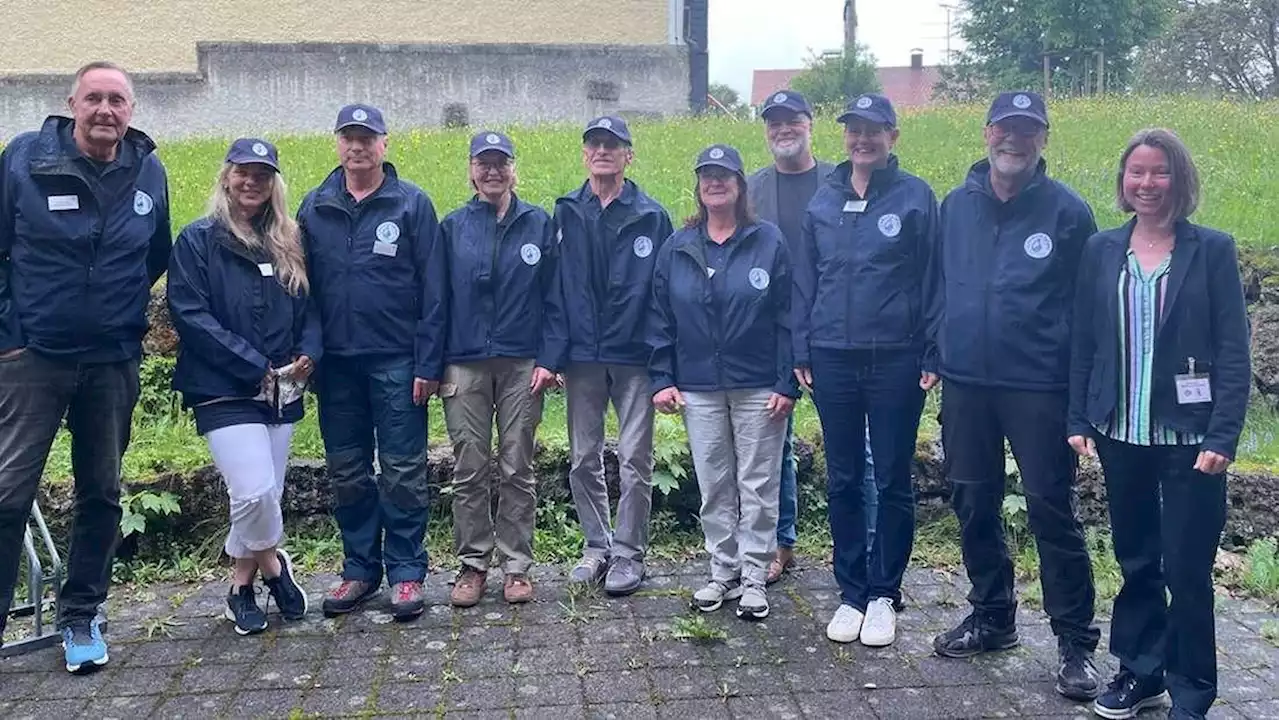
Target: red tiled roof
[{"x": 903, "y": 86}]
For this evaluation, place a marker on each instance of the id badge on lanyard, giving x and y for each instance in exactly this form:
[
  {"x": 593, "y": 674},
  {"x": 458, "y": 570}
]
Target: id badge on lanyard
[{"x": 1193, "y": 387}]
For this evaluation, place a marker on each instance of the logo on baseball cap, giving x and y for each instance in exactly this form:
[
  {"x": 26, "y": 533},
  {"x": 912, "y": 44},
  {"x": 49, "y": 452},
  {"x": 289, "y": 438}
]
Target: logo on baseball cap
[
  {"x": 611, "y": 124},
  {"x": 253, "y": 151},
  {"x": 1018, "y": 104},
  {"x": 872, "y": 107},
  {"x": 720, "y": 156},
  {"x": 360, "y": 115},
  {"x": 486, "y": 140},
  {"x": 787, "y": 100}
]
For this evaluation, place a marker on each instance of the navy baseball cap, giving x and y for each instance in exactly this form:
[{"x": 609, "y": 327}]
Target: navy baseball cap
[
  {"x": 1018, "y": 104},
  {"x": 487, "y": 140},
  {"x": 611, "y": 124},
  {"x": 252, "y": 151},
  {"x": 360, "y": 115},
  {"x": 720, "y": 156},
  {"x": 788, "y": 100},
  {"x": 873, "y": 107}
]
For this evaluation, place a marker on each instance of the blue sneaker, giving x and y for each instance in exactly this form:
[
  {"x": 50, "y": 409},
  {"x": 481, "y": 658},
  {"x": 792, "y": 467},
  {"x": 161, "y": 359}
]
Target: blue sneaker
[
  {"x": 242, "y": 609},
  {"x": 85, "y": 649}
]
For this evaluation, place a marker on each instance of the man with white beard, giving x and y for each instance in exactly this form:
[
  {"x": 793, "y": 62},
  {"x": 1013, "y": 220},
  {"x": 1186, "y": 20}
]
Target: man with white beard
[{"x": 780, "y": 193}]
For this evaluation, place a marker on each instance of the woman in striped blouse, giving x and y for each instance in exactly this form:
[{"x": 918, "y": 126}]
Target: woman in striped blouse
[{"x": 1159, "y": 385}]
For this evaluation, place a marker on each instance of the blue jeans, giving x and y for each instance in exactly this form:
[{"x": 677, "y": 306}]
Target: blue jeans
[
  {"x": 382, "y": 518},
  {"x": 789, "y": 500},
  {"x": 852, "y": 387}
]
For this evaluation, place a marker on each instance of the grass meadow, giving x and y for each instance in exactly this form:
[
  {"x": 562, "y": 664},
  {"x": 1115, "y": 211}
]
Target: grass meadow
[{"x": 1235, "y": 146}]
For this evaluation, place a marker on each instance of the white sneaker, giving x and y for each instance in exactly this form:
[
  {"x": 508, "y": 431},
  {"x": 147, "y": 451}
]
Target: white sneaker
[
  {"x": 881, "y": 624},
  {"x": 713, "y": 595},
  {"x": 845, "y": 625}
]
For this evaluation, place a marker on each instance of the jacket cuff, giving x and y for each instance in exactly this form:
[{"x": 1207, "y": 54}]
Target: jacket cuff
[
  {"x": 790, "y": 389},
  {"x": 660, "y": 383}
]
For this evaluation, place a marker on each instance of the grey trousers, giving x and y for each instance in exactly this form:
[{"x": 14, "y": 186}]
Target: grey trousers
[
  {"x": 589, "y": 387},
  {"x": 737, "y": 456},
  {"x": 473, "y": 393}
]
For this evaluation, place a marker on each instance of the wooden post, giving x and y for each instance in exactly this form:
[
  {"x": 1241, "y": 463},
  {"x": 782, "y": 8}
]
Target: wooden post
[
  {"x": 1102, "y": 73},
  {"x": 1046, "y": 76}
]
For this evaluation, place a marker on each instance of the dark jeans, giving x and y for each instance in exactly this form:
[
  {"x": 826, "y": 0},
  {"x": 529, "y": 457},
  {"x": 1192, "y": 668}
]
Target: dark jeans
[
  {"x": 854, "y": 389},
  {"x": 789, "y": 498},
  {"x": 975, "y": 422},
  {"x": 382, "y": 518},
  {"x": 1166, "y": 518},
  {"x": 36, "y": 392}
]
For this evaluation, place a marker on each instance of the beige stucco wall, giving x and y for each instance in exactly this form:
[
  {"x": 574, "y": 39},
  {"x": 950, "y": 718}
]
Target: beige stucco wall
[{"x": 58, "y": 36}]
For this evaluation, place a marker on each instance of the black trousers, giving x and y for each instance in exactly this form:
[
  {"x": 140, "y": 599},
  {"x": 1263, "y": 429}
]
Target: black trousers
[
  {"x": 36, "y": 392},
  {"x": 1166, "y": 519},
  {"x": 975, "y": 422}
]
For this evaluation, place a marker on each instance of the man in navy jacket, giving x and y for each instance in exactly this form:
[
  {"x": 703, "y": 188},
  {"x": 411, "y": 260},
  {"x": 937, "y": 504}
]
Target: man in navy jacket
[
  {"x": 609, "y": 232},
  {"x": 377, "y": 270},
  {"x": 1011, "y": 241},
  {"x": 84, "y": 233}
]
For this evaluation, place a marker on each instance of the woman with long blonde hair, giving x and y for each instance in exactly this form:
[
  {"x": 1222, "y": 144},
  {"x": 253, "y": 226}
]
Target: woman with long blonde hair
[{"x": 249, "y": 338}]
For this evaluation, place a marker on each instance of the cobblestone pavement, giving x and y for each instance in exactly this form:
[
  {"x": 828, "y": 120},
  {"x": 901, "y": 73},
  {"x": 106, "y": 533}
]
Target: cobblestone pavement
[{"x": 590, "y": 657}]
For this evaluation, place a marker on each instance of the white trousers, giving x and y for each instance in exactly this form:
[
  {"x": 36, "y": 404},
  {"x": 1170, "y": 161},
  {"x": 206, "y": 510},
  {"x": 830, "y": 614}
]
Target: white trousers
[{"x": 252, "y": 459}]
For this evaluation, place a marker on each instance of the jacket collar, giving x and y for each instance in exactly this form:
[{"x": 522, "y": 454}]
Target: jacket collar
[
  {"x": 335, "y": 184},
  {"x": 979, "y": 180},
  {"x": 881, "y": 178},
  {"x": 517, "y": 208},
  {"x": 55, "y": 148},
  {"x": 1185, "y": 246}
]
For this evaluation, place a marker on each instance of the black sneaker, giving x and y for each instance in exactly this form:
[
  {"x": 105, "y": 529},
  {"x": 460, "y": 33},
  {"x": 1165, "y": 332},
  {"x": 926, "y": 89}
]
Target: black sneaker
[
  {"x": 1078, "y": 677},
  {"x": 1128, "y": 695},
  {"x": 288, "y": 595},
  {"x": 242, "y": 609},
  {"x": 975, "y": 635}
]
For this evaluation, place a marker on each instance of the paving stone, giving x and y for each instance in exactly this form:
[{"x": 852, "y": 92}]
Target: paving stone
[
  {"x": 834, "y": 705},
  {"x": 194, "y": 706},
  {"x": 979, "y": 701},
  {"x": 486, "y": 694},
  {"x": 612, "y": 656},
  {"x": 616, "y": 686},
  {"x": 473, "y": 664},
  {"x": 1259, "y": 710},
  {"x": 539, "y": 612},
  {"x": 125, "y": 707},
  {"x": 289, "y": 649},
  {"x": 951, "y": 671},
  {"x": 229, "y": 650},
  {"x": 1034, "y": 698},
  {"x": 693, "y": 710},
  {"x": 160, "y": 652},
  {"x": 911, "y": 703},
  {"x": 212, "y": 678},
  {"x": 480, "y": 637},
  {"x": 423, "y": 667},
  {"x": 1244, "y": 686},
  {"x": 608, "y": 631},
  {"x": 660, "y": 607},
  {"x": 550, "y": 689},
  {"x": 762, "y": 707},
  {"x": 336, "y": 672},
  {"x": 265, "y": 703},
  {"x": 683, "y": 684},
  {"x": 357, "y": 644},
  {"x": 556, "y": 635},
  {"x": 676, "y": 653},
  {"x": 621, "y": 711},
  {"x": 281, "y": 675},
  {"x": 409, "y": 697},
  {"x": 42, "y": 709},
  {"x": 537, "y": 660},
  {"x": 750, "y": 680},
  {"x": 553, "y": 712},
  {"x": 19, "y": 686},
  {"x": 342, "y": 702}
]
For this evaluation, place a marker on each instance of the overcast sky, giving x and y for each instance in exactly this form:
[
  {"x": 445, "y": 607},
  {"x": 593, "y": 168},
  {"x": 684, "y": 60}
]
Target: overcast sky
[{"x": 746, "y": 35}]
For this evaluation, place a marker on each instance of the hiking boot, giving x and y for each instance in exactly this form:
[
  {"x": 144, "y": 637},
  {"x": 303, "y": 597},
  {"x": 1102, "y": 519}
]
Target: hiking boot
[
  {"x": 347, "y": 597},
  {"x": 625, "y": 577},
  {"x": 1127, "y": 695},
  {"x": 83, "y": 646},
  {"x": 975, "y": 635},
  {"x": 467, "y": 587},
  {"x": 782, "y": 562},
  {"x": 242, "y": 609},
  {"x": 288, "y": 595},
  {"x": 590, "y": 570},
  {"x": 754, "y": 604},
  {"x": 1078, "y": 677},
  {"x": 713, "y": 595},
  {"x": 880, "y": 625},
  {"x": 516, "y": 588},
  {"x": 406, "y": 600},
  {"x": 846, "y": 624}
]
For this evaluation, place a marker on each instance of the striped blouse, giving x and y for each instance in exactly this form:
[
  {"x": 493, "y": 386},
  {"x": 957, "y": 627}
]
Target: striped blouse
[{"x": 1141, "y": 307}]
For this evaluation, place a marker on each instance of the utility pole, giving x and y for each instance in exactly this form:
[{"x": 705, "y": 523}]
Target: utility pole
[
  {"x": 850, "y": 27},
  {"x": 948, "y": 9}
]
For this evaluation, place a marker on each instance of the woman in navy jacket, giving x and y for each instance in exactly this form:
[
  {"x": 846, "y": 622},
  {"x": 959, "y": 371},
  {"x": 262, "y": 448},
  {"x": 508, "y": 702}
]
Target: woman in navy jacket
[
  {"x": 505, "y": 340},
  {"x": 237, "y": 292},
  {"x": 720, "y": 334},
  {"x": 1158, "y": 390}
]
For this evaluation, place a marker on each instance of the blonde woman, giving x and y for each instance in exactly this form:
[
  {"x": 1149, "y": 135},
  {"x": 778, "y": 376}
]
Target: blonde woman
[
  {"x": 506, "y": 335},
  {"x": 249, "y": 340}
]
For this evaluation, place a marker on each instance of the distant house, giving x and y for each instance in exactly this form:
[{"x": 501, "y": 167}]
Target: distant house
[{"x": 905, "y": 85}]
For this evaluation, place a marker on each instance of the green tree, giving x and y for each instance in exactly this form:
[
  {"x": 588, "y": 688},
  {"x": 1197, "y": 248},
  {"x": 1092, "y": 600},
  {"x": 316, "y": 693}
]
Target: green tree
[
  {"x": 1216, "y": 47},
  {"x": 1008, "y": 39},
  {"x": 725, "y": 100},
  {"x": 832, "y": 78}
]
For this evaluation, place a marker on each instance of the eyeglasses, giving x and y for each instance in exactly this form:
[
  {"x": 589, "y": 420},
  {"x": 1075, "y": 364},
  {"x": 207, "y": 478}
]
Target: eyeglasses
[
  {"x": 498, "y": 165},
  {"x": 608, "y": 142}
]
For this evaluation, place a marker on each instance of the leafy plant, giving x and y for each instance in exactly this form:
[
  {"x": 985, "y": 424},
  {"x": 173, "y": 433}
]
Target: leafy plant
[
  {"x": 1261, "y": 577},
  {"x": 139, "y": 506},
  {"x": 696, "y": 627},
  {"x": 670, "y": 453}
]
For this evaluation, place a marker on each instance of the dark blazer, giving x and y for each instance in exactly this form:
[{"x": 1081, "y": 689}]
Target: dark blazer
[
  {"x": 1204, "y": 318},
  {"x": 762, "y": 189}
]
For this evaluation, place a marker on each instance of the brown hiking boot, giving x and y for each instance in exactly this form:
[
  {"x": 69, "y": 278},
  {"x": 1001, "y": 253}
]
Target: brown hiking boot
[
  {"x": 347, "y": 597},
  {"x": 517, "y": 588},
  {"x": 782, "y": 562},
  {"x": 407, "y": 600},
  {"x": 468, "y": 587}
]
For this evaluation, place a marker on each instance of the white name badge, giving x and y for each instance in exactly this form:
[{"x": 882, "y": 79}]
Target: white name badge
[
  {"x": 385, "y": 248},
  {"x": 1193, "y": 389},
  {"x": 855, "y": 206},
  {"x": 64, "y": 202},
  {"x": 266, "y": 269}
]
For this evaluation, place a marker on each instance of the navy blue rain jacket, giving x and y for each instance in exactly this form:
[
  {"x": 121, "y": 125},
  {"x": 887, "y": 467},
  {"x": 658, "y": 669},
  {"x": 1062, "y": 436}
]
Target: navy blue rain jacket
[
  {"x": 607, "y": 276},
  {"x": 504, "y": 285},
  {"x": 865, "y": 280},
  {"x": 377, "y": 271},
  {"x": 730, "y": 330},
  {"x": 1008, "y": 277},
  {"x": 77, "y": 256},
  {"x": 234, "y": 319}
]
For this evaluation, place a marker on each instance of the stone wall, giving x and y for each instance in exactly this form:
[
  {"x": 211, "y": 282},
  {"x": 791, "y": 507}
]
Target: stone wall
[{"x": 271, "y": 89}]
